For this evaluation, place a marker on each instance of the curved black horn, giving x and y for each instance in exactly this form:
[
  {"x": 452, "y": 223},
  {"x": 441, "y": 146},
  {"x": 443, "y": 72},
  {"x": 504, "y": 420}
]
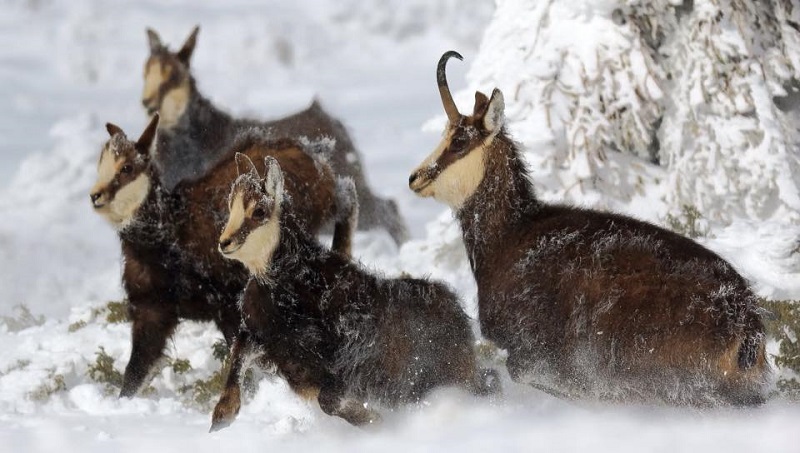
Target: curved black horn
[{"x": 444, "y": 90}]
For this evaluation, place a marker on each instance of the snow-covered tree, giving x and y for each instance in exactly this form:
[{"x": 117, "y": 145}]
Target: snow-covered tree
[{"x": 676, "y": 97}]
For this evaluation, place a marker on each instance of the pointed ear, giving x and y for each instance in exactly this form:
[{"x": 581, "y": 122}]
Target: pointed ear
[
  {"x": 481, "y": 103},
  {"x": 245, "y": 165},
  {"x": 145, "y": 142},
  {"x": 185, "y": 54},
  {"x": 113, "y": 129},
  {"x": 154, "y": 40},
  {"x": 495, "y": 117},
  {"x": 273, "y": 183}
]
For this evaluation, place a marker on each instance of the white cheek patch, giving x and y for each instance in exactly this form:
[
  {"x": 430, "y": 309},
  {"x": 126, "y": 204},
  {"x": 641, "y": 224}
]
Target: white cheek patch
[
  {"x": 460, "y": 179},
  {"x": 152, "y": 81},
  {"x": 260, "y": 244},
  {"x": 127, "y": 201},
  {"x": 235, "y": 218},
  {"x": 106, "y": 170}
]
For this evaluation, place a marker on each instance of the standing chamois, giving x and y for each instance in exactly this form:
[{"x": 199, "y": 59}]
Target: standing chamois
[
  {"x": 589, "y": 303},
  {"x": 195, "y": 134},
  {"x": 172, "y": 269},
  {"x": 332, "y": 329}
]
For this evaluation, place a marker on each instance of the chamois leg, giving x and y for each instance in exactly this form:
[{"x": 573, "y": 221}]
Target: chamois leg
[
  {"x": 150, "y": 330},
  {"x": 333, "y": 401},
  {"x": 230, "y": 401},
  {"x": 346, "y": 216}
]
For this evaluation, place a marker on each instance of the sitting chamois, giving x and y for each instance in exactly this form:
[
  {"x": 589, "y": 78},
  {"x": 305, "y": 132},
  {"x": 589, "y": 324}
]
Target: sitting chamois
[
  {"x": 195, "y": 134},
  {"x": 331, "y": 328},
  {"x": 589, "y": 303},
  {"x": 172, "y": 269}
]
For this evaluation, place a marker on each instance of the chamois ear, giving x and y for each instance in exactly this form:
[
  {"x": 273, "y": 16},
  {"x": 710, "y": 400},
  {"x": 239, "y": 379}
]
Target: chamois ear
[
  {"x": 113, "y": 129},
  {"x": 154, "y": 40},
  {"x": 185, "y": 54},
  {"x": 273, "y": 183},
  {"x": 145, "y": 142},
  {"x": 495, "y": 112},
  {"x": 245, "y": 165},
  {"x": 481, "y": 103}
]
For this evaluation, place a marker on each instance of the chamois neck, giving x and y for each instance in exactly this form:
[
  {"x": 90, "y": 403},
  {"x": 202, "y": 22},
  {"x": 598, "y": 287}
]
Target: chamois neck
[
  {"x": 502, "y": 203},
  {"x": 148, "y": 225}
]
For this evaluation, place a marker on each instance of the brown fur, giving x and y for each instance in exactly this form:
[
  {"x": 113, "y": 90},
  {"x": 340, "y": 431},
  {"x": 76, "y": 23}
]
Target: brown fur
[
  {"x": 172, "y": 269},
  {"x": 330, "y": 326},
  {"x": 597, "y": 304},
  {"x": 201, "y": 131}
]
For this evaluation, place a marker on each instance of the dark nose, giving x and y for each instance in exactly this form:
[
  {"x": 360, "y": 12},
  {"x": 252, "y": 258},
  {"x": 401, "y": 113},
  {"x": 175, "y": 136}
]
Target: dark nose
[
  {"x": 412, "y": 178},
  {"x": 224, "y": 244},
  {"x": 94, "y": 197}
]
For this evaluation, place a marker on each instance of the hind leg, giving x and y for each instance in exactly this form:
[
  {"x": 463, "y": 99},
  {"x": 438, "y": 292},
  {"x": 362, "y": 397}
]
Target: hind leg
[{"x": 332, "y": 401}]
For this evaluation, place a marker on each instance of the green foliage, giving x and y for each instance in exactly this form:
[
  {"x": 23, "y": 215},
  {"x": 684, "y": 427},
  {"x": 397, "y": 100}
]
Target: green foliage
[
  {"x": 115, "y": 312},
  {"x": 55, "y": 383},
  {"x": 203, "y": 393},
  {"x": 21, "y": 319},
  {"x": 76, "y": 326},
  {"x": 688, "y": 222},
  {"x": 102, "y": 371},
  {"x": 220, "y": 350},
  {"x": 181, "y": 366},
  {"x": 784, "y": 325}
]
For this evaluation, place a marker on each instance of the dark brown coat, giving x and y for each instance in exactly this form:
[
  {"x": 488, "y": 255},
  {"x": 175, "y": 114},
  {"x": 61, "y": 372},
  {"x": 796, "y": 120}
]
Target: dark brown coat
[{"x": 172, "y": 269}]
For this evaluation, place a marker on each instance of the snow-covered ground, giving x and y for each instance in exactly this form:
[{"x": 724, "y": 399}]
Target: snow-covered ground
[{"x": 68, "y": 67}]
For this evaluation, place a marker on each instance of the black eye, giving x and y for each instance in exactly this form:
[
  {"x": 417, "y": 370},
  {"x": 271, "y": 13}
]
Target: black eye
[
  {"x": 259, "y": 213},
  {"x": 458, "y": 144},
  {"x": 126, "y": 169}
]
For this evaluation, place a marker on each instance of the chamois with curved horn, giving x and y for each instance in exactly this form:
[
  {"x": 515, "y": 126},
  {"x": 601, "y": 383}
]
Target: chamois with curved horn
[
  {"x": 195, "y": 134},
  {"x": 589, "y": 303},
  {"x": 333, "y": 329},
  {"x": 172, "y": 269}
]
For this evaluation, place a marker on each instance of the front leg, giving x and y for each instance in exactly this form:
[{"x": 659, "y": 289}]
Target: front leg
[
  {"x": 230, "y": 401},
  {"x": 332, "y": 401},
  {"x": 150, "y": 330}
]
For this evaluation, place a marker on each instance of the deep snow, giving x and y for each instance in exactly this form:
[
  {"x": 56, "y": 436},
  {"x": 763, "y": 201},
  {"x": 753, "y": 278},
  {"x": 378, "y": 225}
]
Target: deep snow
[{"x": 68, "y": 67}]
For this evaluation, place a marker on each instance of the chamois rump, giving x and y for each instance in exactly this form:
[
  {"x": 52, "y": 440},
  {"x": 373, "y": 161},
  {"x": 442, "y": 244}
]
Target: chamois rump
[
  {"x": 195, "y": 134},
  {"x": 587, "y": 303},
  {"x": 172, "y": 269},
  {"x": 332, "y": 329}
]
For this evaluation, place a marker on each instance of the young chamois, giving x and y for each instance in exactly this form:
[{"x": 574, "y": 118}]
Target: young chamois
[
  {"x": 195, "y": 134},
  {"x": 332, "y": 329},
  {"x": 172, "y": 269},
  {"x": 589, "y": 303}
]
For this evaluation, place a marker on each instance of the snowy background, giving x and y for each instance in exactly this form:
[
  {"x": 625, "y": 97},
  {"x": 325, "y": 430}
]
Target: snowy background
[{"x": 637, "y": 106}]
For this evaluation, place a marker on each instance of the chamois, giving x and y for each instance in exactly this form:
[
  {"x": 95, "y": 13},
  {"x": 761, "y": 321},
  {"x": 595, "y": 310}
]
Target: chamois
[
  {"x": 195, "y": 133},
  {"x": 332, "y": 329},
  {"x": 172, "y": 269},
  {"x": 588, "y": 303}
]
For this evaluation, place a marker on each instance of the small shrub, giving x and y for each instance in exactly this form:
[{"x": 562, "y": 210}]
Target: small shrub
[
  {"x": 21, "y": 319},
  {"x": 114, "y": 312},
  {"x": 102, "y": 371},
  {"x": 181, "y": 366},
  {"x": 688, "y": 223},
  {"x": 55, "y": 383},
  {"x": 784, "y": 325},
  {"x": 76, "y": 326}
]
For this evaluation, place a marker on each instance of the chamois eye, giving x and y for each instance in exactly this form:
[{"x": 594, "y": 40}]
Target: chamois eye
[
  {"x": 458, "y": 144},
  {"x": 126, "y": 169},
  {"x": 259, "y": 213}
]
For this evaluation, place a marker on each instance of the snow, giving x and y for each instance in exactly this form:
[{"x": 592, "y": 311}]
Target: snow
[{"x": 69, "y": 67}]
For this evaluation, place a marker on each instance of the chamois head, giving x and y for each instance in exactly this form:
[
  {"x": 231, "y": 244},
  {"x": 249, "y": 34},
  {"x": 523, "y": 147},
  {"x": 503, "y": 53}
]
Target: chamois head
[
  {"x": 167, "y": 81},
  {"x": 252, "y": 232},
  {"x": 123, "y": 181},
  {"x": 454, "y": 170}
]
